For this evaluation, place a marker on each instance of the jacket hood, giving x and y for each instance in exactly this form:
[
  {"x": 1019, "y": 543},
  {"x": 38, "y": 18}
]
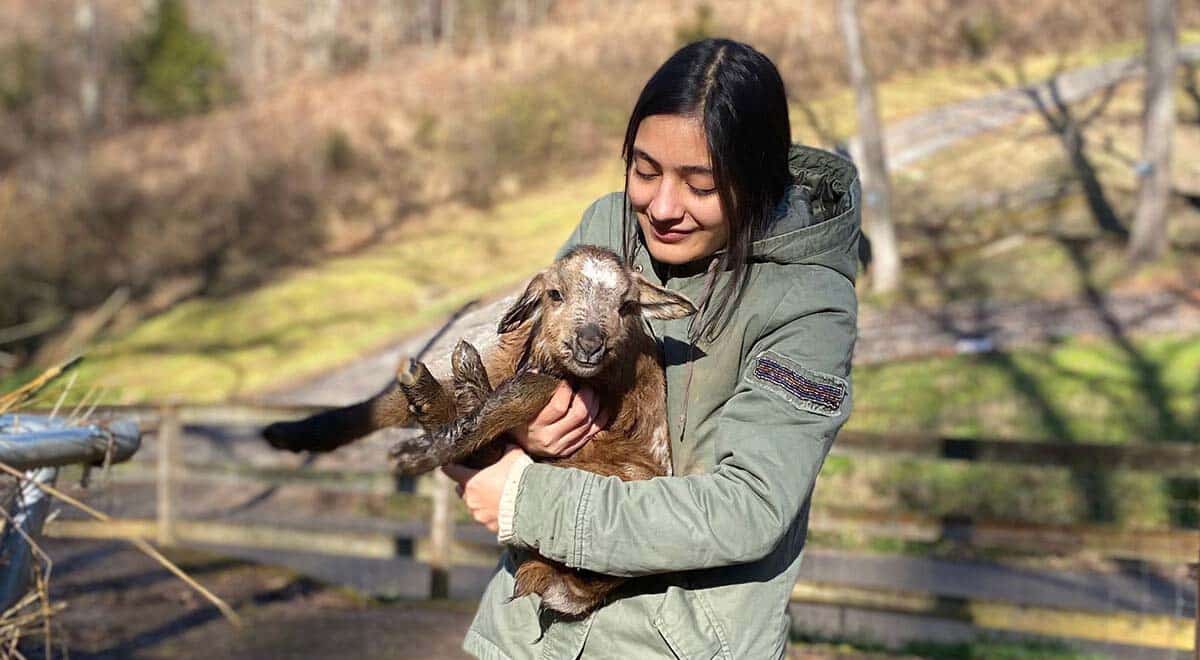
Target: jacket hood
[{"x": 818, "y": 220}]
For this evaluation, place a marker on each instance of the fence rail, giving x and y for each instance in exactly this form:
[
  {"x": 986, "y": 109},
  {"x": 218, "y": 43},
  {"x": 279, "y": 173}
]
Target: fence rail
[{"x": 437, "y": 545}]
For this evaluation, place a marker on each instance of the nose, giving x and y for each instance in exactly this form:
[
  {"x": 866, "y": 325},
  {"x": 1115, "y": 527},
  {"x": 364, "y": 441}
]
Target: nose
[
  {"x": 666, "y": 204},
  {"x": 589, "y": 343}
]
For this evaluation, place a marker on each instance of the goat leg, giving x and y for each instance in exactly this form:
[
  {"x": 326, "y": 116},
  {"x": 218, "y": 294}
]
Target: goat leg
[
  {"x": 516, "y": 401},
  {"x": 471, "y": 384},
  {"x": 327, "y": 430},
  {"x": 428, "y": 402}
]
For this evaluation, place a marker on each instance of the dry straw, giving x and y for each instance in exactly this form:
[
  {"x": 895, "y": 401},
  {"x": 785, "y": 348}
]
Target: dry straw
[{"x": 35, "y": 611}]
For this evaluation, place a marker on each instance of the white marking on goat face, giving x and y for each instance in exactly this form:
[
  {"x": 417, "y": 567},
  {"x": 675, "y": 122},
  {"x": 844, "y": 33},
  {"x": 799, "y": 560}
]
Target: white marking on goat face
[{"x": 602, "y": 273}]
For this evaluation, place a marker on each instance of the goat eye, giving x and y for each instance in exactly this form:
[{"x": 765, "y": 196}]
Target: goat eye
[
  {"x": 555, "y": 295},
  {"x": 629, "y": 307}
]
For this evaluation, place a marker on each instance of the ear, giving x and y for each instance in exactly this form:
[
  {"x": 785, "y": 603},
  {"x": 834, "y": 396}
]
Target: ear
[
  {"x": 660, "y": 303},
  {"x": 527, "y": 307}
]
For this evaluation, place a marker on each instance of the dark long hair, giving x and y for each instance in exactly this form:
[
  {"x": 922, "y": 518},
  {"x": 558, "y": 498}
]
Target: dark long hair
[{"x": 737, "y": 95}]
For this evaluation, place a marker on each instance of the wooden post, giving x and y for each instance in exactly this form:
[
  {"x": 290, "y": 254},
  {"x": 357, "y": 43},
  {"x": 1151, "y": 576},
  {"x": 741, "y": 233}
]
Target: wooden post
[
  {"x": 168, "y": 438},
  {"x": 441, "y": 536}
]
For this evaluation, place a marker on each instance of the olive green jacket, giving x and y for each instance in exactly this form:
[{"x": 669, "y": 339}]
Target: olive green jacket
[{"x": 720, "y": 541}]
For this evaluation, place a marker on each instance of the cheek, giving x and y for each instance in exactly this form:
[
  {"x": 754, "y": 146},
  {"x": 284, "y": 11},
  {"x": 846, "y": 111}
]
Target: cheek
[
  {"x": 641, "y": 193},
  {"x": 707, "y": 213}
]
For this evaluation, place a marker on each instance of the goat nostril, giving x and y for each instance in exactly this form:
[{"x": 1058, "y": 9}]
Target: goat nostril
[
  {"x": 590, "y": 346},
  {"x": 590, "y": 332},
  {"x": 589, "y": 342}
]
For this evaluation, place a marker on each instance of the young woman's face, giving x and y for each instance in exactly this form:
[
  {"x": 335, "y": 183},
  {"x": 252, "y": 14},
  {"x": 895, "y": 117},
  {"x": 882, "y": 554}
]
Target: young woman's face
[{"x": 672, "y": 191}]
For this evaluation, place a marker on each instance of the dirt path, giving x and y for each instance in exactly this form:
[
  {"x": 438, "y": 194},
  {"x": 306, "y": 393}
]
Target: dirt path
[{"x": 121, "y": 604}]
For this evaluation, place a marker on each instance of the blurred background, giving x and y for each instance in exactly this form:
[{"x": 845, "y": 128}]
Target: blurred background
[{"x": 238, "y": 210}]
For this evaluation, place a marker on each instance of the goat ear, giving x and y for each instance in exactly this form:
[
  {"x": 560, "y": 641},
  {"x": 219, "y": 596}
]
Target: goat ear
[
  {"x": 661, "y": 303},
  {"x": 527, "y": 307}
]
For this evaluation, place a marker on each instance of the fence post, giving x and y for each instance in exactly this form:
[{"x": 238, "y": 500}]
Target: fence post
[
  {"x": 168, "y": 437},
  {"x": 441, "y": 536}
]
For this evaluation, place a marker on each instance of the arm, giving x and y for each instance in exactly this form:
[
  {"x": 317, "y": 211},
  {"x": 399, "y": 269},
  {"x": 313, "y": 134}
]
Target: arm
[{"x": 770, "y": 446}]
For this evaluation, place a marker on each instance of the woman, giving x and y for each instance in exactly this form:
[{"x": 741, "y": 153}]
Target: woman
[{"x": 720, "y": 206}]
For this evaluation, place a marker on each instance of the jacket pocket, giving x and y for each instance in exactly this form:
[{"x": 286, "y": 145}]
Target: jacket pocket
[{"x": 685, "y": 623}]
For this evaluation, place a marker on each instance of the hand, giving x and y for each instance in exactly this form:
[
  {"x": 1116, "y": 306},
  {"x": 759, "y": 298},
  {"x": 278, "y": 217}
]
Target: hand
[
  {"x": 565, "y": 425},
  {"x": 481, "y": 489}
]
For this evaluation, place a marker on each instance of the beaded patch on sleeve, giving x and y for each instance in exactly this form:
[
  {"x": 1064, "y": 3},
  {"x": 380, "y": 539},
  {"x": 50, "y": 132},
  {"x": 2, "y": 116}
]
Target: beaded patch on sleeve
[{"x": 806, "y": 389}]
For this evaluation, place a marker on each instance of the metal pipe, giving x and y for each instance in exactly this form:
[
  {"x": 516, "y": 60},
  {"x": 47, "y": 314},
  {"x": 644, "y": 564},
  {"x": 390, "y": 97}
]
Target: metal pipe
[
  {"x": 28, "y": 513},
  {"x": 37, "y": 442}
]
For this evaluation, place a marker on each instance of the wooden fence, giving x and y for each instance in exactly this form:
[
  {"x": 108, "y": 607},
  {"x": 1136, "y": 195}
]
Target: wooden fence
[{"x": 440, "y": 549}]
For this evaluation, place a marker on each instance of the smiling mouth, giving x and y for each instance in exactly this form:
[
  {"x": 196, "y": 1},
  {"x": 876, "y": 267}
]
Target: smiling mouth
[{"x": 670, "y": 234}]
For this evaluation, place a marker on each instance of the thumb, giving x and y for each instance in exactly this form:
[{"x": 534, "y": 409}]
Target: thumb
[{"x": 459, "y": 473}]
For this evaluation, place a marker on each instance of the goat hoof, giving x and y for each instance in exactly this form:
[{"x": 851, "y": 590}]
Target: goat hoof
[{"x": 409, "y": 372}]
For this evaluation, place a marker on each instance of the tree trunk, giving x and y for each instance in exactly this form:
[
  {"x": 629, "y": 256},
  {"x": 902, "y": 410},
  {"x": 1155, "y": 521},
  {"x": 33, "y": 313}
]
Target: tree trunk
[
  {"x": 258, "y": 49},
  {"x": 449, "y": 21},
  {"x": 1149, "y": 238},
  {"x": 520, "y": 15},
  {"x": 877, "y": 212},
  {"x": 320, "y": 25},
  {"x": 89, "y": 74}
]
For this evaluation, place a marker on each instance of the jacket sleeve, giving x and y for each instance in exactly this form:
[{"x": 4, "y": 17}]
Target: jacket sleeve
[{"x": 772, "y": 438}]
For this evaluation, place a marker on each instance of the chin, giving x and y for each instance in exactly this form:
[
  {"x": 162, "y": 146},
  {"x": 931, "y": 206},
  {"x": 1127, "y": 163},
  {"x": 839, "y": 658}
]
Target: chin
[
  {"x": 583, "y": 370},
  {"x": 676, "y": 253}
]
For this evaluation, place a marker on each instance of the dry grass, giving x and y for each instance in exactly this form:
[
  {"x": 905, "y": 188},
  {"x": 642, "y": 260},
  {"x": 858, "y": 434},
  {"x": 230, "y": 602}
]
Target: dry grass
[{"x": 34, "y": 613}]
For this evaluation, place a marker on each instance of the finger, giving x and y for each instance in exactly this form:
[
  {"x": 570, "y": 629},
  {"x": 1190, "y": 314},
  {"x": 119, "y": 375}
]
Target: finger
[
  {"x": 593, "y": 402},
  {"x": 581, "y": 410},
  {"x": 592, "y": 430},
  {"x": 570, "y": 441},
  {"x": 575, "y": 446},
  {"x": 575, "y": 419},
  {"x": 558, "y": 406},
  {"x": 460, "y": 473}
]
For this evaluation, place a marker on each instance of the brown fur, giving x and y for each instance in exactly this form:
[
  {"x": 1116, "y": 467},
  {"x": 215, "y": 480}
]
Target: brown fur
[{"x": 583, "y": 304}]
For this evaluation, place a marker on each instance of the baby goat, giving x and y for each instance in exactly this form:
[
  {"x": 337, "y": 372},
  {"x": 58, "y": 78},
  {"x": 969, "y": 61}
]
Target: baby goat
[{"x": 581, "y": 319}]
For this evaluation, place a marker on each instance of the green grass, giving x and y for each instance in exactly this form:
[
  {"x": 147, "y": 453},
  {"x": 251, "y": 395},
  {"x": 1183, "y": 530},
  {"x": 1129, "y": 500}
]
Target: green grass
[
  {"x": 996, "y": 650},
  {"x": 312, "y": 319},
  {"x": 1082, "y": 390},
  {"x": 980, "y": 649}
]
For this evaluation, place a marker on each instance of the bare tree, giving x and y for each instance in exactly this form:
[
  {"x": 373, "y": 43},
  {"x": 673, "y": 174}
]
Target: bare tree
[
  {"x": 320, "y": 26},
  {"x": 1149, "y": 238},
  {"x": 877, "y": 216},
  {"x": 449, "y": 21},
  {"x": 521, "y": 15},
  {"x": 89, "y": 73}
]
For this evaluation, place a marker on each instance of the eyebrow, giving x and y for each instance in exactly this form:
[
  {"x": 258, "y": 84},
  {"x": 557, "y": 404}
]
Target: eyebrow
[{"x": 685, "y": 169}]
